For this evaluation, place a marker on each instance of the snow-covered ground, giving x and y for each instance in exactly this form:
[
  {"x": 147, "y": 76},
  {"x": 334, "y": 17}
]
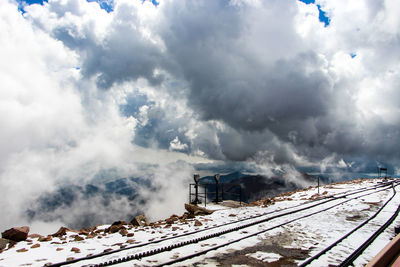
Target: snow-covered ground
[{"x": 289, "y": 244}]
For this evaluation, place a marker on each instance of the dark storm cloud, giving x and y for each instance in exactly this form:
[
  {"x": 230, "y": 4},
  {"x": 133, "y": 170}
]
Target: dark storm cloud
[{"x": 253, "y": 85}]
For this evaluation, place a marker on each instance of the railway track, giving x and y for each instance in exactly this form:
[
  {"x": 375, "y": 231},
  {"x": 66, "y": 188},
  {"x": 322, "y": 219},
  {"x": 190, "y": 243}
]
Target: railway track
[
  {"x": 363, "y": 246},
  {"x": 222, "y": 232}
]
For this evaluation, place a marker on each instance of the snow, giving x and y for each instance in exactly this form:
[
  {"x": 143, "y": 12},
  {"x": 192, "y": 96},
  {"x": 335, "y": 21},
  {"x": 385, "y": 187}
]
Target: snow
[
  {"x": 265, "y": 256},
  {"x": 308, "y": 235}
]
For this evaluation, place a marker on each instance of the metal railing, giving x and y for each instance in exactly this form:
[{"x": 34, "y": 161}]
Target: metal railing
[{"x": 221, "y": 192}]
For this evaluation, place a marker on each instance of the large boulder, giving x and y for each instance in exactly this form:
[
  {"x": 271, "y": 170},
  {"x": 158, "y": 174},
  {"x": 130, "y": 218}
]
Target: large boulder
[
  {"x": 196, "y": 210},
  {"x": 140, "y": 220},
  {"x": 16, "y": 233}
]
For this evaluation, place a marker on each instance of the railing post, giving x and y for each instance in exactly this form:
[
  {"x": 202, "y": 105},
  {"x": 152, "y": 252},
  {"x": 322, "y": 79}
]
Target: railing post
[
  {"x": 190, "y": 193},
  {"x": 196, "y": 178},
  {"x": 216, "y": 177}
]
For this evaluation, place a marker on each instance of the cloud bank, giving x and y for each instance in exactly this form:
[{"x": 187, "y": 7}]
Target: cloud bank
[{"x": 143, "y": 87}]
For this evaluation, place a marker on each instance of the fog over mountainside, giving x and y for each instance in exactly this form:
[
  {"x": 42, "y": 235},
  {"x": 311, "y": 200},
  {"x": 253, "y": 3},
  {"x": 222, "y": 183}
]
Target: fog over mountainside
[{"x": 104, "y": 90}]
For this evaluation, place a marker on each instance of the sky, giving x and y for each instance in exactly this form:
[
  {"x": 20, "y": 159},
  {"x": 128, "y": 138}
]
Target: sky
[{"x": 164, "y": 89}]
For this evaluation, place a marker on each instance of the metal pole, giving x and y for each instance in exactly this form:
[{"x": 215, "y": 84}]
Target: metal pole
[
  {"x": 190, "y": 193},
  {"x": 196, "y": 178},
  {"x": 216, "y": 177}
]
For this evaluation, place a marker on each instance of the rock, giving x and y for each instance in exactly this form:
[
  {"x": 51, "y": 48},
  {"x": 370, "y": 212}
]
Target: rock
[
  {"x": 232, "y": 215},
  {"x": 92, "y": 229},
  {"x": 118, "y": 223},
  {"x": 35, "y": 236},
  {"x": 62, "y": 231},
  {"x": 76, "y": 250},
  {"x": 197, "y": 223},
  {"x": 171, "y": 220},
  {"x": 45, "y": 239},
  {"x": 3, "y": 243},
  {"x": 22, "y": 250},
  {"x": 130, "y": 234},
  {"x": 16, "y": 233},
  {"x": 59, "y": 249},
  {"x": 115, "y": 228},
  {"x": 78, "y": 238},
  {"x": 140, "y": 220},
  {"x": 196, "y": 210},
  {"x": 35, "y": 245},
  {"x": 83, "y": 232},
  {"x": 123, "y": 232}
]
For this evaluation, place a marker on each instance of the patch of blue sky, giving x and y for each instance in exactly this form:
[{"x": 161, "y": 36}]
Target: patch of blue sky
[
  {"x": 134, "y": 102},
  {"x": 107, "y": 5},
  {"x": 322, "y": 14}
]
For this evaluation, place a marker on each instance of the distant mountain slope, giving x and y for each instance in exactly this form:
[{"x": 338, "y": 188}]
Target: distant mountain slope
[{"x": 252, "y": 187}]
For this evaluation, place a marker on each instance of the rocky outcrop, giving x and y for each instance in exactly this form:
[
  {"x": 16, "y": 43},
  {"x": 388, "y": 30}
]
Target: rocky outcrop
[
  {"x": 140, "y": 220},
  {"x": 16, "y": 233},
  {"x": 196, "y": 210}
]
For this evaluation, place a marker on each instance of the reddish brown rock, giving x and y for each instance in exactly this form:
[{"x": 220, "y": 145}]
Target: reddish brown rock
[
  {"x": 59, "y": 249},
  {"x": 78, "y": 238},
  {"x": 140, "y": 220},
  {"x": 83, "y": 232},
  {"x": 62, "y": 231},
  {"x": 123, "y": 232},
  {"x": 34, "y": 236},
  {"x": 76, "y": 250},
  {"x": 171, "y": 220},
  {"x": 130, "y": 234},
  {"x": 45, "y": 239},
  {"x": 196, "y": 210},
  {"x": 35, "y": 245},
  {"x": 22, "y": 250},
  {"x": 16, "y": 233},
  {"x": 197, "y": 223}
]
